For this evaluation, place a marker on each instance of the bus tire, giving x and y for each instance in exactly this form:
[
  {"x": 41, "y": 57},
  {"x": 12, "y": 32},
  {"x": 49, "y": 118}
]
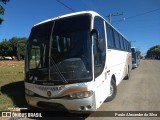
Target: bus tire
[{"x": 113, "y": 91}]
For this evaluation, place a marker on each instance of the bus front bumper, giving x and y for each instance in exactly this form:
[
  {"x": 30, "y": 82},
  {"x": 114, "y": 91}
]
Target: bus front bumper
[{"x": 79, "y": 105}]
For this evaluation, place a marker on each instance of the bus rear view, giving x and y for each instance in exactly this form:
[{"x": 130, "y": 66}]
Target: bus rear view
[{"x": 135, "y": 58}]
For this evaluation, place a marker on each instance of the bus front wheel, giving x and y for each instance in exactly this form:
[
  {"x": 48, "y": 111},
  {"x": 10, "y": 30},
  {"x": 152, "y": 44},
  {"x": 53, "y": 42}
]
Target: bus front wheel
[{"x": 113, "y": 91}]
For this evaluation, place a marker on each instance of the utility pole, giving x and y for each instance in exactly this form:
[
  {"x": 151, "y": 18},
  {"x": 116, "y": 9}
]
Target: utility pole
[
  {"x": 111, "y": 14},
  {"x": 132, "y": 42}
]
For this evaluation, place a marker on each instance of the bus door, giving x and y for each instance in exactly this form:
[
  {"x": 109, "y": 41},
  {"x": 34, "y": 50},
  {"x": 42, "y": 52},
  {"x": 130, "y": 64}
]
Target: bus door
[{"x": 99, "y": 62}]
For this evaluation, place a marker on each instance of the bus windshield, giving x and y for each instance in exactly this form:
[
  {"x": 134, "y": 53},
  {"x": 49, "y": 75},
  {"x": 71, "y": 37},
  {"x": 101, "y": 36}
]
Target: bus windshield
[{"x": 67, "y": 42}]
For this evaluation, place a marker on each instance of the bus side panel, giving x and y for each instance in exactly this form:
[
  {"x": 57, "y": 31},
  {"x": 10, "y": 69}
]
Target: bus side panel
[
  {"x": 102, "y": 88},
  {"x": 117, "y": 61},
  {"x": 116, "y": 64}
]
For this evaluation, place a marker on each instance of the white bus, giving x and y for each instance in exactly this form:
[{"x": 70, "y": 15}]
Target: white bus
[
  {"x": 75, "y": 62},
  {"x": 135, "y": 58}
]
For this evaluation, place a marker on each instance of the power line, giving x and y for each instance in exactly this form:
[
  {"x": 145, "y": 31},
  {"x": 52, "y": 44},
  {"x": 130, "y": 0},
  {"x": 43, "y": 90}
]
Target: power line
[
  {"x": 137, "y": 15},
  {"x": 111, "y": 14},
  {"x": 65, "y": 6},
  {"x": 142, "y": 13}
]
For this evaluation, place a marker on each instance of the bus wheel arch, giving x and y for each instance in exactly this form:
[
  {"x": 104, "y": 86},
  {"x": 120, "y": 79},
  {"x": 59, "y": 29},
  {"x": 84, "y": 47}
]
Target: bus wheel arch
[
  {"x": 128, "y": 73},
  {"x": 113, "y": 78},
  {"x": 113, "y": 89}
]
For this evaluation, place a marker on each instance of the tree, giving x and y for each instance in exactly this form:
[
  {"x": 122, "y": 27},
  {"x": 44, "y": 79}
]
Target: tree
[
  {"x": 138, "y": 52},
  {"x": 9, "y": 48},
  {"x": 3, "y": 48},
  {"x": 154, "y": 52},
  {"x": 2, "y": 9}
]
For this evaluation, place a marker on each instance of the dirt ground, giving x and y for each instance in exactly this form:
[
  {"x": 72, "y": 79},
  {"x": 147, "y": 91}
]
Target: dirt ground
[{"x": 10, "y": 62}]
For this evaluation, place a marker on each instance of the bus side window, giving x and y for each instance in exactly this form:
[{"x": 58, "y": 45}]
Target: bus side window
[
  {"x": 110, "y": 38},
  {"x": 129, "y": 47},
  {"x": 121, "y": 42},
  {"x": 99, "y": 56},
  {"x": 124, "y": 43},
  {"x": 116, "y": 37}
]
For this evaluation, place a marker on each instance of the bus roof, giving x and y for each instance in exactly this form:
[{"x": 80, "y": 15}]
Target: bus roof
[
  {"x": 78, "y": 13},
  {"x": 68, "y": 15}
]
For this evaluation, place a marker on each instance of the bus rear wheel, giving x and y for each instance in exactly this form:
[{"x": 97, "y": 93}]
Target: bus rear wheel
[
  {"x": 128, "y": 74},
  {"x": 113, "y": 91}
]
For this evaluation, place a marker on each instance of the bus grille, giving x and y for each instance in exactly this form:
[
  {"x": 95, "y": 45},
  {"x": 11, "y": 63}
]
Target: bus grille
[{"x": 51, "y": 106}]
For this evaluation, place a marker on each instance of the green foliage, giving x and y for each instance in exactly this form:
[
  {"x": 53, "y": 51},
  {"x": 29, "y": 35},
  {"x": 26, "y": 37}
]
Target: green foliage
[
  {"x": 1, "y": 20},
  {"x": 154, "y": 52},
  {"x": 138, "y": 52},
  {"x": 2, "y": 10},
  {"x": 141, "y": 57},
  {"x": 9, "y": 48}
]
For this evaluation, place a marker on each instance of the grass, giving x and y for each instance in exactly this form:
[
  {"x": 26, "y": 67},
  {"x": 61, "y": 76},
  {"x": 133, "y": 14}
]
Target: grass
[{"x": 11, "y": 85}]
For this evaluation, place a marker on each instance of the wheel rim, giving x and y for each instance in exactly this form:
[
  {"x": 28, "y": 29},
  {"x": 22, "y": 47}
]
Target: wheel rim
[
  {"x": 111, "y": 90},
  {"x": 128, "y": 72}
]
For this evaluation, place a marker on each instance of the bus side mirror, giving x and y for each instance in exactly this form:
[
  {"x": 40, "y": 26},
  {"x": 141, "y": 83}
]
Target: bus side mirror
[
  {"x": 95, "y": 34},
  {"x": 99, "y": 42},
  {"x": 100, "y": 45}
]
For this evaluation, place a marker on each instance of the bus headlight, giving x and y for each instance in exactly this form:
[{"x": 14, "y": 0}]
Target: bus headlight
[
  {"x": 80, "y": 95},
  {"x": 28, "y": 92}
]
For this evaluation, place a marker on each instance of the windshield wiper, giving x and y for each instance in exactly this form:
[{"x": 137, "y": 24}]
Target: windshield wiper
[
  {"x": 58, "y": 71},
  {"x": 49, "y": 60},
  {"x": 53, "y": 62}
]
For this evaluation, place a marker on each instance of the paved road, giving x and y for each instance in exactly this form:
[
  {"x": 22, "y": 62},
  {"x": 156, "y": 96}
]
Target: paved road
[{"x": 140, "y": 93}]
